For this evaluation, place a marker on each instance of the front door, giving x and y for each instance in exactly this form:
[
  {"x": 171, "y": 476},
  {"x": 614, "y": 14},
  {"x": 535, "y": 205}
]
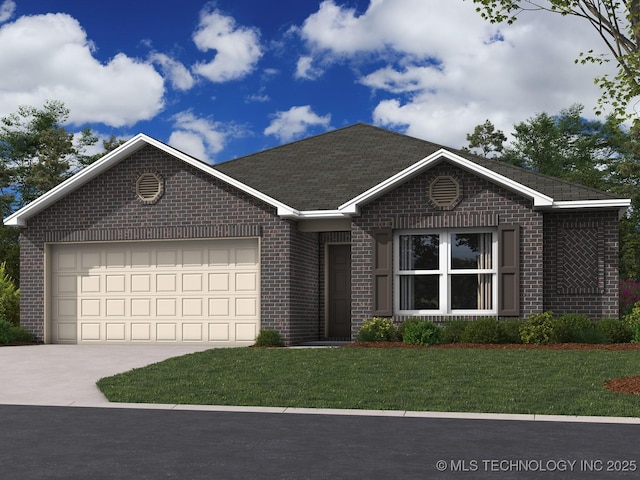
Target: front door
[{"x": 339, "y": 292}]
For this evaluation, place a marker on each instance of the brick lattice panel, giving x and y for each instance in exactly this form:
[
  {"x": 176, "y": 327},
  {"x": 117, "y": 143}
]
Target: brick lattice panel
[{"x": 579, "y": 268}]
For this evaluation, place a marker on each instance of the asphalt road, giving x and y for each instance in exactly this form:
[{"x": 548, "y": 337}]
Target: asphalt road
[{"x": 107, "y": 443}]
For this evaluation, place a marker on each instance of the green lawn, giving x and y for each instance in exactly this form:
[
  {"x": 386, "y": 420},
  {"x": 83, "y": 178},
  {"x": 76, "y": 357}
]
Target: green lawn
[{"x": 561, "y": 382}]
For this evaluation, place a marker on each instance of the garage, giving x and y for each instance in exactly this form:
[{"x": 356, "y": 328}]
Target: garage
[{"x": 187, "y": 291}]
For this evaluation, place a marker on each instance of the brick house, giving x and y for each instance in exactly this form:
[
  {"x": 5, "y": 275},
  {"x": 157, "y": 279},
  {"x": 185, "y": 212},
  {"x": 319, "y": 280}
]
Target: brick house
[{"x": 310, "y": 238}]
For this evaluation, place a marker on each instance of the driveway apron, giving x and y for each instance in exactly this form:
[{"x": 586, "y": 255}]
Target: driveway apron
[{"x": 63, "y": 375}]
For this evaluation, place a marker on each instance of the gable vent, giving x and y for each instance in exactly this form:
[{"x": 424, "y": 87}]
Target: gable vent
[
  {"x": 149, "y": 187},
  {"x": 444, "y": 191}
]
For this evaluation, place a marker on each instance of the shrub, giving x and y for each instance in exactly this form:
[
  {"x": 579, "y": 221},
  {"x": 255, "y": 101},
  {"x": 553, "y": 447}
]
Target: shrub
[
  {"x": 269, "y": 338},
  {"x": 9, "y": 297},
  {"x": 403, "y": 326},
  {"x": 10, "y": 333},
  {"x": 452, "y": 330},
  {"x": 378, "y": 329},
  {"x": 573, "y": 328},
  {"x": 629, "y": 295},
  {"x": 484, "y": 330},
  {"x": 632, "y": 320},
  {"x": 537, "y": 329},
  {"x": 421, "y": 332},
  {"x": 511, "y": 329},
  {"x": 614, "y": 330}
]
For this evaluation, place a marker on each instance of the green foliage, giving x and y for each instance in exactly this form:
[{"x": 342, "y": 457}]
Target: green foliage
[
  {"x": 484, "y": 330},
  {"x": 572, "y": 328},
  {"x": 269, "y": 338},
  {"x": 614, "y": 330},
  {"x": 402, "y": 327},
  {"x": 378, "y": 329},
  {"x": 452, "y": 330},
  {"x": 511, "y": 329},
  {"x": 9, "y": 298},
  {"x": 10, "y": 333},
  {"x": 421, "y": 332},
  {"x": 632, "y": 321},
  {"x": 617, "y": 23},
  {"x": 486, "y": 139},
  {"x": 537, "y": 329}
]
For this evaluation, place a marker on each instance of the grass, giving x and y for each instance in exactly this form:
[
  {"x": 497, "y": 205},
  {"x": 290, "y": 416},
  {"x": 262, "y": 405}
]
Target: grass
[{"x": 558, "y": 382}]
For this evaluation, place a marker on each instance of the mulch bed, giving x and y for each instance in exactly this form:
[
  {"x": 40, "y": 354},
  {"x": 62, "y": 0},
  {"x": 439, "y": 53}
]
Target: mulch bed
[{"x": 629, "y": 384}]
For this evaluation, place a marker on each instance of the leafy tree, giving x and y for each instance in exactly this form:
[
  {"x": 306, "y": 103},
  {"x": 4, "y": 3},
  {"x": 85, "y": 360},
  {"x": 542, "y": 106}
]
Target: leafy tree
[
  {"x": 616, "y": 21},
  {"x": 487, "y": 139},
  {"x": 567, "y": 146},
  {"x": 36, "y": 154}
]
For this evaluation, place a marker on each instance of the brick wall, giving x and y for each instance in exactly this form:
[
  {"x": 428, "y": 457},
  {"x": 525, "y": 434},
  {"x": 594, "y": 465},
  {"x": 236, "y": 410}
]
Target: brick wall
[
  {"x": 194, "y": 205},
  {"x": 581, "y": 263},
  {"x": 482, "y": 204}
]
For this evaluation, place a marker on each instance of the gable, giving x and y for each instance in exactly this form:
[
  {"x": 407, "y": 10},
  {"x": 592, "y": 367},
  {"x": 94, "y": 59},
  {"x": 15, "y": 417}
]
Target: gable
[{"x": 332, "y": 175}]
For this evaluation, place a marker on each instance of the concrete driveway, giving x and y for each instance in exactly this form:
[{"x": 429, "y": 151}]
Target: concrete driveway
[{"x": 64, "y": 375}]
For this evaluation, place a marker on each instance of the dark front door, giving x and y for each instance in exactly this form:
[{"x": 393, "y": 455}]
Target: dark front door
[{"x": 339, "y": 291}]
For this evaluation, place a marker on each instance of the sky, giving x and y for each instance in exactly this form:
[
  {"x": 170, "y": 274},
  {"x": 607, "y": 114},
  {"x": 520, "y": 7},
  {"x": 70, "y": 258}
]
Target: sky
[{"x": 223, "y": 79}]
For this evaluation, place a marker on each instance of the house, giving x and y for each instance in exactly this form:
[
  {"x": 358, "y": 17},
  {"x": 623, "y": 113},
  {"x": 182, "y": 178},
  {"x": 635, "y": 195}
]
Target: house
[{"x": 310, "y": 238}]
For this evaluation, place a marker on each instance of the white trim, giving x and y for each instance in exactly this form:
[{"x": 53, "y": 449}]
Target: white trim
[
  {"x": 444, "y": 272},
  {"x": 20, "y": 217},
  {"x": 352, "y": 206},
  {"x": 346, "y": 210}
]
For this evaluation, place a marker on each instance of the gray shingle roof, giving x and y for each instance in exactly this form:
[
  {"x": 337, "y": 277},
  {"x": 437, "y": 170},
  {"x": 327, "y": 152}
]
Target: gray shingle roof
[{"x": 325, "y": 171}]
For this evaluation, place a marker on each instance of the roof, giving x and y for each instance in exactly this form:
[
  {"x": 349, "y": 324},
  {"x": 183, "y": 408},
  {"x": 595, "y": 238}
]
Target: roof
[{"x": 333, "y": 174}]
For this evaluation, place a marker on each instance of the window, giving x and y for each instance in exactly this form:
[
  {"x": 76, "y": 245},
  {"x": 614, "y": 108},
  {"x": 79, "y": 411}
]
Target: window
[{"x": 445, "y": 272}]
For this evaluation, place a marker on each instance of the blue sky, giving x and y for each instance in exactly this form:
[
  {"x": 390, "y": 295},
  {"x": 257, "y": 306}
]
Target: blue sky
[{"x": 227, "y": 78}]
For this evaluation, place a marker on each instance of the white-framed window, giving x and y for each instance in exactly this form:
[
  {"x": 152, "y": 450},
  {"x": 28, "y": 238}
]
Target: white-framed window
[{"x": 445, "y": 272}]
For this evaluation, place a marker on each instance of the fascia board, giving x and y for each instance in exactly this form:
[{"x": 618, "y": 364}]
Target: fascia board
[
  {"x": 622, "y": 204},
  {"x": 19, "y": 218},
  {"x": 352, "y": 206}
]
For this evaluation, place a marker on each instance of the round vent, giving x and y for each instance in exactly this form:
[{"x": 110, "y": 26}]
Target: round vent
[
  {"x": 444, "y": 191},
  {"x": 149, "y": 187}
]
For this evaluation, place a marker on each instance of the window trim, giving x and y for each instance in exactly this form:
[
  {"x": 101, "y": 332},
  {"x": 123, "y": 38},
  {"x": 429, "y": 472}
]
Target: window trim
[{"x": 445, "y": 272}]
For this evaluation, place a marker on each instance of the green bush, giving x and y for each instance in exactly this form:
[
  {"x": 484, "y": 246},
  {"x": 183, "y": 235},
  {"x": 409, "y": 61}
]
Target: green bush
[
  {"x": 269, "y": 338},
  {"x": 573, "y": 328},
  {"x": 512, "y": 330},
  {"x": 614, "y": 330},
  {"x": 484, "y": 330},
  {"x": 10, "y": 333},
  {"x": 632, "y": 320},
  {"x": 378, "y": 329},
  {"x": 402, "y": 327},
  {"x": 421, "y": 332},
  {"x": 452, "y": 330},
  {"x": 9, "y": 297},
  {"x": 537, "y": 329}
]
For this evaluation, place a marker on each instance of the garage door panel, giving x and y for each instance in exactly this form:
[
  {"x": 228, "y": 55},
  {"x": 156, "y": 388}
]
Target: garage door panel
[{"x": 179, "y": 291}]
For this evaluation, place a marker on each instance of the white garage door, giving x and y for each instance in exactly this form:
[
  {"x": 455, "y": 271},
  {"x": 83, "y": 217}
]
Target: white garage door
[{"x": 148, "y": 292}]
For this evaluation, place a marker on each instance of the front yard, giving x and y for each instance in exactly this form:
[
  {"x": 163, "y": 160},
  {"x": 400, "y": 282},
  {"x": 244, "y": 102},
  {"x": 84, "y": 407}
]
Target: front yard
[{"x": 530, "y": 381}]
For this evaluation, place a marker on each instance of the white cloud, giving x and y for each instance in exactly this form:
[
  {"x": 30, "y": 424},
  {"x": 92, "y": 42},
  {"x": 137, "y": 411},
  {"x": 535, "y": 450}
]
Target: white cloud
[
  {"x": 295, "y": 122},
  {"x": 48, "y": 57},
  {"x": 237, "y": 48},
  {"x": 448, "y": 70},
  {"x": 198, "y": 137},
  {"x": 7, "y": 9},
  {"x": 305, "y": 69},
  {"x": 178, "y": 74}
]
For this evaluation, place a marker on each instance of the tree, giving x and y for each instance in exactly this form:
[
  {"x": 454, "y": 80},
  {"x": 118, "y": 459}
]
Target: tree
[
  {"x": 616, "y": 21},
  {"x": 567, "y": 146},
  {"x": 487, "y": 139},
  {"x": 36, "y": 154}
]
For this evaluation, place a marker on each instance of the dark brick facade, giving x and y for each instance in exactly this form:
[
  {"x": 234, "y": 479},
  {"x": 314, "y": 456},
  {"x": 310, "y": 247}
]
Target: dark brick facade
[
  {"x": 195, "y": 205},
  {"x": 581, "y": 263}
]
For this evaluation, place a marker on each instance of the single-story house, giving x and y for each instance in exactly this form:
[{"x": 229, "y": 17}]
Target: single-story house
[{"x": 311, "y": 238}]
